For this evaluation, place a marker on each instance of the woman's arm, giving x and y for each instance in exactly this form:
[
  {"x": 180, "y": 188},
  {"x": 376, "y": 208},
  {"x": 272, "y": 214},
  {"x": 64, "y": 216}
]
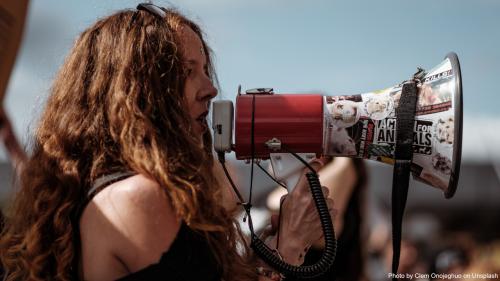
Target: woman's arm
[
  {"x": 340, "y": 177},
  {"x": 126, "y": 227}
]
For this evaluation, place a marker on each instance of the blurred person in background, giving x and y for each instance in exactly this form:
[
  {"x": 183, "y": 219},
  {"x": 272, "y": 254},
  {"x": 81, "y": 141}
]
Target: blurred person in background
[
  {"x": 411, "y": 260},
  {"x": 14, "y": 149},
  {"x": 486, "y": 261},
  {"x": 464, "y": 255}
]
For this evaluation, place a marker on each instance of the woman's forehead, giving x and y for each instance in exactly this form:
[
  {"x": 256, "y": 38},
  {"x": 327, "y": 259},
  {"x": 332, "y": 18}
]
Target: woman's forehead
[{"x": 192, "y": 45}]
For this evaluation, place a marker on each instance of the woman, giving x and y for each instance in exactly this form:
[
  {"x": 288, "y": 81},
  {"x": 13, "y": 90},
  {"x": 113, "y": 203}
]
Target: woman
[{"x": 119, "y": 183}]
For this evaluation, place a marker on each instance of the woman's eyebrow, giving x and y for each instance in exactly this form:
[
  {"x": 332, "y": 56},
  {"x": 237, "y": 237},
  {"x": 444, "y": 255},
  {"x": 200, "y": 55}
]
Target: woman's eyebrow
[
  {"x": 194, "y": 62},
  {"x": 191, "y": 61}
]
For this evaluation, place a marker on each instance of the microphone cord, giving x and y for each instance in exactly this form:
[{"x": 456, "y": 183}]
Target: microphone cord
[{"x": 269, "y": 255}]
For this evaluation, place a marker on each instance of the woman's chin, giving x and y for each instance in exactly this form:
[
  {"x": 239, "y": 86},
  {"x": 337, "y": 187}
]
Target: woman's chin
[{"x": 198, "y": 129}]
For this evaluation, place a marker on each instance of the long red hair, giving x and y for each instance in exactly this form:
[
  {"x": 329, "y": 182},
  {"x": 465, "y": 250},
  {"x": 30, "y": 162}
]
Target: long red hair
[{"x": 116, "y": 104}]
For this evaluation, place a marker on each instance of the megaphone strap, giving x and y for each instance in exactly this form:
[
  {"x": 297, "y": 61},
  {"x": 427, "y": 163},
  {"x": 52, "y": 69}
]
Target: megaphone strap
[{"x": 405, "y": 115}]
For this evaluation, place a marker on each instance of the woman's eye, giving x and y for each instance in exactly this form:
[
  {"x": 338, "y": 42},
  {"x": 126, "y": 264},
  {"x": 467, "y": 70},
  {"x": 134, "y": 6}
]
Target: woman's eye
[{"x": 189, "y": 71}]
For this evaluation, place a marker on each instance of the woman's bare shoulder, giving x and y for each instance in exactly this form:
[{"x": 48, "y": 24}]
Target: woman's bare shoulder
[{"x": 134, "y": 218}]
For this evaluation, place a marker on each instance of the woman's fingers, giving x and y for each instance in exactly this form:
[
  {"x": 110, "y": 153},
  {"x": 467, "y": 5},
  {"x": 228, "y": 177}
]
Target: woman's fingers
[
  {"x": 300, "y": 220},
  {"x": 302, "y": 186},
  {"x": 325, "y": 190},
  {"x": 330, "y": 203},
  {"x": 275, "y": 219},
  {"x": 331, "y": 208},
  {"x": 282, "y": 199},
  {"x": 316, "y": 164}
]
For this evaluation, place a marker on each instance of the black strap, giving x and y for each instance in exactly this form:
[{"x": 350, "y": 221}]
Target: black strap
[
  {"x": 405, "y": 114},
  {"x": 107, "y": 180},
  {"x": 97, "y": 186}
]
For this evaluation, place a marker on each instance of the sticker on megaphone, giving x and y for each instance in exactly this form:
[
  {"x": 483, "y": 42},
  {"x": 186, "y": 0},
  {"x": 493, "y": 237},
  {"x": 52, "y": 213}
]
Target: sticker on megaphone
[{"x": 364, "y": 126}]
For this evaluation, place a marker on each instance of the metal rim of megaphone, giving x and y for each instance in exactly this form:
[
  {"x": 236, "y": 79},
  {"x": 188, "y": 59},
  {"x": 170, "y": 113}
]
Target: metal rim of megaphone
[{"x": 457, "y": 145}]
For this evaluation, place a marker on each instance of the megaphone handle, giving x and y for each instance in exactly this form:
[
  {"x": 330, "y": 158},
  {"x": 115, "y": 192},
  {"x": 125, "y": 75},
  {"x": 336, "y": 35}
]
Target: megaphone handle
[
  {"x": 329, "y": 252},
  {"x": 268, "y": 255},
  {"x": 405, "y": 115},
  {"x": 292, "y": 181},
  {"x": 288, "y": 169}
]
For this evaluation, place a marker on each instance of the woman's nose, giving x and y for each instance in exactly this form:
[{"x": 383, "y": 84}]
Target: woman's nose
[{"x": 208, "y": 91}]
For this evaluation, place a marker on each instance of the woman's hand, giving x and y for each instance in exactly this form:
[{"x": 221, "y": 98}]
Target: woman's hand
[{"x": 300, "y": 226}]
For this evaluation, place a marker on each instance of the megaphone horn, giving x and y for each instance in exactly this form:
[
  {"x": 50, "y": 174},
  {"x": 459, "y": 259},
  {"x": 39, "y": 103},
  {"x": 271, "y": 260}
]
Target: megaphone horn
[{"x": 360, "y": 126}]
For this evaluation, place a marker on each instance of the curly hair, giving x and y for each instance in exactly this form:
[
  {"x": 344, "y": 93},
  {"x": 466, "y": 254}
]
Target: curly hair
[{"x": 116, "y": 104}]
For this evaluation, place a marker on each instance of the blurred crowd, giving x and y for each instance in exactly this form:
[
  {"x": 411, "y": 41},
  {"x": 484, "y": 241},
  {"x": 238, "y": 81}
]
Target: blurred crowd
[{"x": 439, "y": 254}]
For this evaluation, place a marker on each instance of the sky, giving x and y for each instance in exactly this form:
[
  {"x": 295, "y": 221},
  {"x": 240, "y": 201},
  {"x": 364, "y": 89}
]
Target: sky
[{"x": 317, "y": 46}]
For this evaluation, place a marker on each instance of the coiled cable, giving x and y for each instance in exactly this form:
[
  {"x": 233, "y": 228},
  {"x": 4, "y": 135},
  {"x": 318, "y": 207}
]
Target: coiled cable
[{"x": 329, "y": 253}]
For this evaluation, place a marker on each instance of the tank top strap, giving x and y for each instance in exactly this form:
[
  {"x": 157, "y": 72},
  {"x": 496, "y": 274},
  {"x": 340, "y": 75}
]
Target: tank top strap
[
  {"x": 98, "y": 185},
  {"x": 106, "y": 180}
]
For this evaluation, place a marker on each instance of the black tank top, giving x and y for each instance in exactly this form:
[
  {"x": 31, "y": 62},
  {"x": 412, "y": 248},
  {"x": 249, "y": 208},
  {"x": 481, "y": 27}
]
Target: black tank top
[{"x": 188, "y": 259}]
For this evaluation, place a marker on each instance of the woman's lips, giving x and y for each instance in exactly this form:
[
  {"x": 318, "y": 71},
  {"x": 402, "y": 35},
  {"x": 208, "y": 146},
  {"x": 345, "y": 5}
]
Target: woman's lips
[{"x": 202, "y": 122}]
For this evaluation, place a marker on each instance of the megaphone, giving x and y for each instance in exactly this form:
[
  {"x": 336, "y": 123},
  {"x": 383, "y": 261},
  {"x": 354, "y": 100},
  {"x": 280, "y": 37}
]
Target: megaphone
[
  {"x": 415, "y": 125},
  {"x": 360, "y": 126}
]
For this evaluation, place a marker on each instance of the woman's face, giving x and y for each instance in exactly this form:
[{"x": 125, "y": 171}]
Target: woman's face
[{"x": 198, "y": 88}]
